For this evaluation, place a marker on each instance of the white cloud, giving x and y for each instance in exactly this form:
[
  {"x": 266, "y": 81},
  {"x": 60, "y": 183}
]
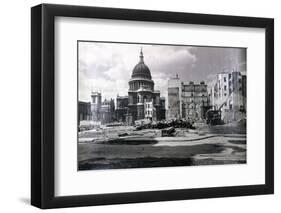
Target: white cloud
[{"x": 107, "y": 67}]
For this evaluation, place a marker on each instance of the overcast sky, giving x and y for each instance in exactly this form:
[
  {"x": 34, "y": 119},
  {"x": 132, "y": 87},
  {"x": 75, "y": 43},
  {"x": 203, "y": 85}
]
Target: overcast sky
[{"x": 107, "y": 67}]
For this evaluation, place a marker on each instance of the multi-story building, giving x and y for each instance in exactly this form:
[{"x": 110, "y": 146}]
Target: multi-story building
[
  {"x": 96, "y": 105},
  {"x": 107, "y": 111},
  {"x": 194, "y": 100},
  {"x": 84, "y": 111},
  {"x": 174, "y": 98},
  {"x": 187, "y": 100},
  {"x": 149, "y": 111},
  {"x": 141, "y": 91},
  {"x": 162, "y": 109},
  {"x": 244, "y": 91},
  {"x": 229, "y": 95},
  {"x": 102, "y": 111},
  {"x": 142, "y": 100},
  {"x": 121, "y": 108}
]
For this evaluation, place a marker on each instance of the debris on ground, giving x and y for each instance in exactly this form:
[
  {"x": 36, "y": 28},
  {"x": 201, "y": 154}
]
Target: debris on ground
[
  {"x": 176, "y": 123},
  {"x": 123, "y": 134}
]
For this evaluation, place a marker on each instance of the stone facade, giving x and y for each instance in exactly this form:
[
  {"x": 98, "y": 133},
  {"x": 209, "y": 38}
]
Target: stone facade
[
  {"x": 141, "y": 91},
  {"x": 103, "y": 111},
  {"x": 121, "y": 108},
  {"x": 187, "y": 100},
  {"x": 96, "y": 105},
  {"x": 107, "y": 111},
  {"x": 194, "y": 100}
]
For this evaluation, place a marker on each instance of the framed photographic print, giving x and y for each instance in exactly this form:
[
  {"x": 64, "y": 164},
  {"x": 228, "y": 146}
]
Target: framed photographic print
[{"x": 139, "y": 106}]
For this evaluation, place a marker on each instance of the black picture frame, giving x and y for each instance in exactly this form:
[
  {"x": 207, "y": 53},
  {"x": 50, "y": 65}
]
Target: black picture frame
[{"x": 43, "y": 102}]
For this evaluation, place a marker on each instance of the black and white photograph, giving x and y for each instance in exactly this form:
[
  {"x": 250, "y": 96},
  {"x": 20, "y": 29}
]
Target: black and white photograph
[
  {"x": 134, "y": 105},
  {"x": 160, "y": 105}
]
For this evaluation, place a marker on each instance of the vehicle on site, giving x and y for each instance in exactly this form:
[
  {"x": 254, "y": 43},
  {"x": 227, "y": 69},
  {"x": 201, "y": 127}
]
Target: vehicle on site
[{"x": 213, "y": 116}]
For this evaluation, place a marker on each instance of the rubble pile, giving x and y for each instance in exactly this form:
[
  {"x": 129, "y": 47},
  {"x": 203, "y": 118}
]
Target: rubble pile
[{"x": 177, "y": 123}]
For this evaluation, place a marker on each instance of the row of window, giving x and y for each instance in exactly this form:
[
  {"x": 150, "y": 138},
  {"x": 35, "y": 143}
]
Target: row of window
[
  {"x": 192, "y": 95},
  {"x": 148, "y": 105},
  {"x": 239, "y": 81},
  {"x": 148, "y": 113}
]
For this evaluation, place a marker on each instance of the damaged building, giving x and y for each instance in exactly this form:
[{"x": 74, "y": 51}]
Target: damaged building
[
  {"x": 228, "y": 94},
  {"x": 187, "y": 100}
]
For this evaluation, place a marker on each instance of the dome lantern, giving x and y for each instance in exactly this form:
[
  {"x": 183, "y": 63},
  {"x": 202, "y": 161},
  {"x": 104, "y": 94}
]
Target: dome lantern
[{"x": 141, "y": 70}]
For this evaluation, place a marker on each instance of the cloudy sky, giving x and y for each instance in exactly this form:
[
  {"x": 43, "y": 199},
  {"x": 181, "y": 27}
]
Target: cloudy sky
[{"x": 107, "y": 67}]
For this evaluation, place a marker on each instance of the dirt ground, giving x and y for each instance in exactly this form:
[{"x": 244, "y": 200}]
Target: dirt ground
[{"x": 106, "y": 149}]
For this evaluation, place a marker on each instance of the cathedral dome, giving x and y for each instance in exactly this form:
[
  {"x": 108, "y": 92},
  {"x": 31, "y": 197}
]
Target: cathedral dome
[{"x": 141, "y": 70}]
